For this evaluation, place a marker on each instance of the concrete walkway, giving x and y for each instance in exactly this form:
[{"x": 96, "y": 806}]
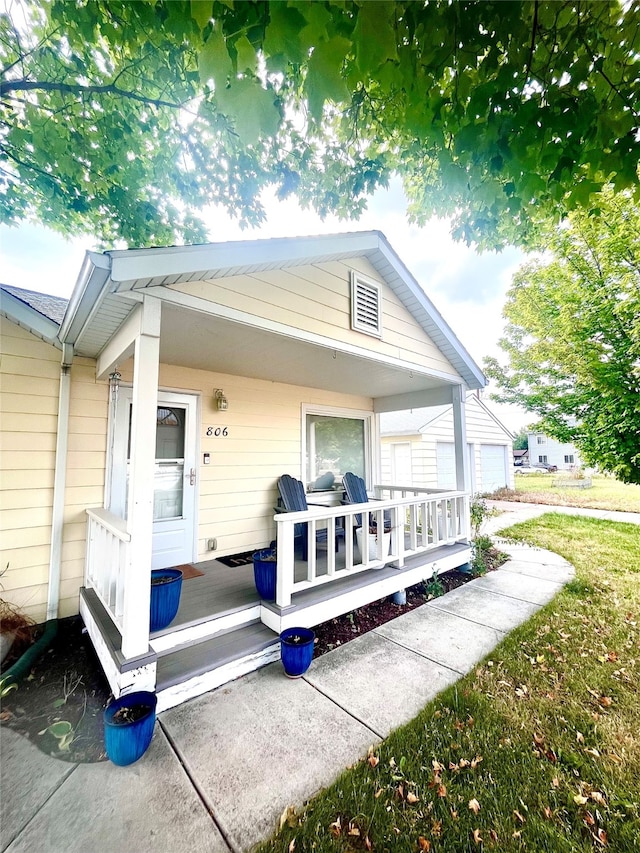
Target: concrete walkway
[{"x": 222, "y": 768}]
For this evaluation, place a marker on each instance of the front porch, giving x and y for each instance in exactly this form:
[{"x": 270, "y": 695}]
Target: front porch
[{"x": 223, "y": 630}]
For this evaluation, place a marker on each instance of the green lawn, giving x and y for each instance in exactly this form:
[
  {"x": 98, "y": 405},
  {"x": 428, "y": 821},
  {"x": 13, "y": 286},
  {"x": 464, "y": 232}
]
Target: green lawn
[
  {"x": 605, "y": 493},
  {"x": 537, "y": 749}
]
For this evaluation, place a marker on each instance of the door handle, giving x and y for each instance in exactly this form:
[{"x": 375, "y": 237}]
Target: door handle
[{"x": 192, "y": 477}]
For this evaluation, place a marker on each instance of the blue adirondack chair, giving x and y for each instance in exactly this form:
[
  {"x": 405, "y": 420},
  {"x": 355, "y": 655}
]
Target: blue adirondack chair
[
  {"x": 294, "y": 499},
  {"x": 356, "y": 492}
]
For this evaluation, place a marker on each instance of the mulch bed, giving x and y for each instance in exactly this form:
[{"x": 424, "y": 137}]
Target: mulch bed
[
  {"x": 338, "y": 631},
  {"x": 66, "y": 684}
]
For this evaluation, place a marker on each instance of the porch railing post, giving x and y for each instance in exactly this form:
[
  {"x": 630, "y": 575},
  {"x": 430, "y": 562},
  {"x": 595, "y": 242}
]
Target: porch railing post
[{"x": 285, "y": 560}]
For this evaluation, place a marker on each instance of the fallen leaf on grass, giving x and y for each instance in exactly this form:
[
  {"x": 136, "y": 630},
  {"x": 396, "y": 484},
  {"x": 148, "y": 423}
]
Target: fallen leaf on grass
[
  {"x": 336, "y": 828},
  {"x": 475, "y": 761},
  {"x": 601, "y": 836},
  {"x": 579, "y": 737},
  {"x": 493, "y": 835},
  {"x": 546, "y": 811},
  {"x": 424, "y": 843},
  {"x": 605, "y": 701},
  {"x": 579, "y": 800},
  {"x": 292, "y": 846},
  {"x": 411, "y": 798},
  {"x": 474, "y": 805},
  {"x": 517, "y": 815},
  {"x": 442, "y": 790},
  {"x": 287, "y": 816},
  {"x": 598, "y": 797},
  {"x": 353, "y": 831},
  {"x": 476, "y": 836},
  {"x": 372, "y": 759}
]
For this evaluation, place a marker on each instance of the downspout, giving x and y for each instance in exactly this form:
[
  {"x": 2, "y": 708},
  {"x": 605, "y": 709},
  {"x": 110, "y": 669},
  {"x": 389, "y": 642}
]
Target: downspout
[
  {"x": 21, "y": 667},
  {"x": 59, "y": 482}
]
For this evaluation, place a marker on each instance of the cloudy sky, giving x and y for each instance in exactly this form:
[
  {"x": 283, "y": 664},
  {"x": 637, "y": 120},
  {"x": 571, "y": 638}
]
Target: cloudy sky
[{"x": 467, "y": 288}]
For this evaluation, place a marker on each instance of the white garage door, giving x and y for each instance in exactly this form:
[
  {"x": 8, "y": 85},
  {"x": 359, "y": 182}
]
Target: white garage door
[{"x": 493, "y": 467}]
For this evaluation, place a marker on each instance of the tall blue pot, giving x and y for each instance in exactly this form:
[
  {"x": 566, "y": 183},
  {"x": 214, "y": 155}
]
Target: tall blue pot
[
  {"x": 126, "y": 742},
  {"x": 165, "y": 598},
  {"x": 297, "y": 654},
  {"x": 264, "y": 573}
]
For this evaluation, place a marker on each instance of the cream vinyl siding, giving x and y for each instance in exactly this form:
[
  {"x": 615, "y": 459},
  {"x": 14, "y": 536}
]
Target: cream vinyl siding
[
  {"x": 29, "y": 383},
  {"x": 86, "y": 460},
  {"x": 317, "y": 298},
  {"x": 237, "y": 491}
]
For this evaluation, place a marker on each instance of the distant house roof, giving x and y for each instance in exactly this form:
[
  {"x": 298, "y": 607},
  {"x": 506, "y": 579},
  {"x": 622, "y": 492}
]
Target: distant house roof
[
  {"x": 49, "y": 306},
  {"x": 520, "y": 454},
  {"x": 419, "y": 420}
]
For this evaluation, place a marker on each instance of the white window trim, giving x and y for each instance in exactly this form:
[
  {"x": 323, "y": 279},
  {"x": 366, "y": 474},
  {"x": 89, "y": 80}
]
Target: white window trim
[
  {"x": 356, "y": 324},
  {"x": 371, "y": 437}
]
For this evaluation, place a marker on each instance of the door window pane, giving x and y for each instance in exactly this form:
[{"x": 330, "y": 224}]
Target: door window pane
[{"x": 168, "y": 480}]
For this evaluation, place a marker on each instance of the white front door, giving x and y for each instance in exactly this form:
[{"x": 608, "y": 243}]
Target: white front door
[{"x": 174, "y": 495}]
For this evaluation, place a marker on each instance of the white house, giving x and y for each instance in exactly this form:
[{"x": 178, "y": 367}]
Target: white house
[
  {"x": 546, "y": 450},
  {"x": 147, "y": 423},
  {"x": 418, "y": 447}
]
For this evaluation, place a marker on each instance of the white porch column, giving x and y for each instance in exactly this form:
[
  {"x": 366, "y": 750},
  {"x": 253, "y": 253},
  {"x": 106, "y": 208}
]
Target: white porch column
[
  {"x": 137, "y": 589},
  {"x": 463, "y": 475}
]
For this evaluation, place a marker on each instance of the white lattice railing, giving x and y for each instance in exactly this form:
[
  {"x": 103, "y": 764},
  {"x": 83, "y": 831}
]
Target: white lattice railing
[
  {"x": 419, "y": 520},
  {"x": 106, "y": 559}
]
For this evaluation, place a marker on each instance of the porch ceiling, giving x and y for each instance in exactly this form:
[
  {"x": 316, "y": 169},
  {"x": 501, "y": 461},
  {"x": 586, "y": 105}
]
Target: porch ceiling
[{"x": 213, "y": 343}]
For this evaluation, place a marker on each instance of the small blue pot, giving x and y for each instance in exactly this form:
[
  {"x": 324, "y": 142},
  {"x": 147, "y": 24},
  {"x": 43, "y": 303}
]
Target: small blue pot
[
  {"x": 296, "y": 654},
  {"x": 165, "y": 598},
  {"x": 126, "y": 742},
  {"x": 264, "y": 573}
]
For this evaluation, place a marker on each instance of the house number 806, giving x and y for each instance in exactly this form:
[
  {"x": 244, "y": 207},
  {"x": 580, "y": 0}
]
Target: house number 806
[{"x": 218, "y": 431}]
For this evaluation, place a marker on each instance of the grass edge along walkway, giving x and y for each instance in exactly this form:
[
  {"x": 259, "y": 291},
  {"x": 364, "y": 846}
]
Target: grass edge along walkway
[{"x": 538, "y": 748}]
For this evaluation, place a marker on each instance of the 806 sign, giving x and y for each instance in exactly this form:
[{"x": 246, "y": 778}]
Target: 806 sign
[{"x": 217, "y": 432}]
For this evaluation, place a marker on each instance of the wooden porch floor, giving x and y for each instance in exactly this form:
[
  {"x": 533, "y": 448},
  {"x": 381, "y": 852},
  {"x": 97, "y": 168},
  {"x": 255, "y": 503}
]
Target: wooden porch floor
[{"x": 224, "y": 589}]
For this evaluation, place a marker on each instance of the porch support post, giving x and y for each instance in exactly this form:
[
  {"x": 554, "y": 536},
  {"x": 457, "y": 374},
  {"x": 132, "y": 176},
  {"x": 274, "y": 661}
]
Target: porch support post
[
  {"x": 463, "y": 479},
  {"x": 137, "y": 587}
]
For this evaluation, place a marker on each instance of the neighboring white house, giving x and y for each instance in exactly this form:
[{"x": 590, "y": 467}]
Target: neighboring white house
[
  {"x": 418, "y": 448},
  {"x": 547, "y": 451}
]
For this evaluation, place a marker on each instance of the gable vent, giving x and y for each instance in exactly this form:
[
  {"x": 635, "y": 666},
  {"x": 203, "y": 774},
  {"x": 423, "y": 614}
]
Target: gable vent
[{"x": 366, "y": 306}]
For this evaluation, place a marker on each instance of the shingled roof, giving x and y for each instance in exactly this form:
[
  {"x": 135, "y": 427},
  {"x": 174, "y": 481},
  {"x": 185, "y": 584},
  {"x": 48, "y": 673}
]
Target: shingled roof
[{"x": 52, "y": 307}]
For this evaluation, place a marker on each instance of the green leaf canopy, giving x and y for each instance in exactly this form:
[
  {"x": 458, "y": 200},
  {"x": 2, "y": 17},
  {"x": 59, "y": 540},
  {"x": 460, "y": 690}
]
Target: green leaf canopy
[{"x": 128, "y": 119}]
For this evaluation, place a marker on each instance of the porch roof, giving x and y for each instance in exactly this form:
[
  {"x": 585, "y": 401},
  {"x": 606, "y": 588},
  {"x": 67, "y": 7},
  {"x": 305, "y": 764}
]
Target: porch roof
[{"x": 110, "y": 285}]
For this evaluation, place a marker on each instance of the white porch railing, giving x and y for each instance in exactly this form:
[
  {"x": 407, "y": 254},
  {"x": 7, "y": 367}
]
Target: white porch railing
[
  {"x": 106, "y": 559},
  {"x": 420, "y": 520}
]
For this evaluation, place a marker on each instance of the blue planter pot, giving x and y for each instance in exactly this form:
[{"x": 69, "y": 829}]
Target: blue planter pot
[
  {"x": 296, "y": 650},
  {"x": 128, "y": 733},
  {"x": 264, "y": 573},
  {"x": 165, "y": 597}
]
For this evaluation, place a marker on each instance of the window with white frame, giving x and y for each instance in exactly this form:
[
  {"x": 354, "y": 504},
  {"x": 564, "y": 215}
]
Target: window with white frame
[
  {"x": 542, "y": 459},
  {"x": 541, "y": 439},
  {"x": 336, "y": 441},
  {"x": 568, "y": 458}
]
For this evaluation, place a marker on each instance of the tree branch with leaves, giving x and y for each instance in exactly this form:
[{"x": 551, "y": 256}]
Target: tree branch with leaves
[
  {"x": 572, "y": 338},
  {"x": 499, "y": 115}
]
